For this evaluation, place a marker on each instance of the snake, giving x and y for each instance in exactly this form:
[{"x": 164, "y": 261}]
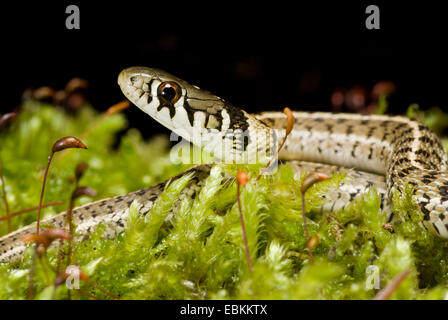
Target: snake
[{"x": 382, "y": 151}]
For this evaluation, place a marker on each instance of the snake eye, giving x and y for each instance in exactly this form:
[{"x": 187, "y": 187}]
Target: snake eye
[{"x": 169, "y": 92}]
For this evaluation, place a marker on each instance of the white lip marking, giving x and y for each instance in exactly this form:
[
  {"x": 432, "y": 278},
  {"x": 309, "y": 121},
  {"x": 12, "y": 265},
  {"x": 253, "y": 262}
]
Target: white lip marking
[
  {"x": 131, "y": 90},
  {"x": 138, "y": 93},
  {"x": 199, "y": 119},
  {"x": 150, "y": 108},
  {"x": 164, "y": 116},
  {"x": 181, "y": 119},
  {"x": 179, "y": 103},
  {"x": 225, "y": 120},
  {"x": 143, "y": 99}
]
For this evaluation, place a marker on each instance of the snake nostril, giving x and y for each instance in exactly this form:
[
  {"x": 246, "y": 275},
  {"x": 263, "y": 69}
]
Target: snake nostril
[{"x": 133, "y": 79}]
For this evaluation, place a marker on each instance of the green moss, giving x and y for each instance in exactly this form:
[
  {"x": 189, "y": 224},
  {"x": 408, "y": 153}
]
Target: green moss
[{"x": 199, "y": 252}]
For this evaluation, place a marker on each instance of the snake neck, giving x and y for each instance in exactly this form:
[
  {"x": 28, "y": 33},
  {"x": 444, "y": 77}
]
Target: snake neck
[{"x": 238, "y": 138}]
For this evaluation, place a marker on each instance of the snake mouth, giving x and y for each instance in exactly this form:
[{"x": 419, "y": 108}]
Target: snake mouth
[{"x": 135, "y": 84}]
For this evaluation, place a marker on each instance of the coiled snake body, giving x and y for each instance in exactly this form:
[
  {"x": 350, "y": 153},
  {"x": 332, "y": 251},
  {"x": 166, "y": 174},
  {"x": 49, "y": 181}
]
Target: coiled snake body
[{"x": 391, "y": 151}]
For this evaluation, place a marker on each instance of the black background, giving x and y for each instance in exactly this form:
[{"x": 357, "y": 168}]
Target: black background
[{"x": 300, "y": 52}]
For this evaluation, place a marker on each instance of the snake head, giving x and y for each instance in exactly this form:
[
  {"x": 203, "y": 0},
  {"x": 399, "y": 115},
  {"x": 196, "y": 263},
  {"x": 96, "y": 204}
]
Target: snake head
[
  {"x": 193, "y": 113},
  {"x": 171, "y": 101}
]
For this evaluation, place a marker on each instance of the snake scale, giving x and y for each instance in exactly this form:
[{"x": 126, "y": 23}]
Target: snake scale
[{"x": 385, "y": 151}]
